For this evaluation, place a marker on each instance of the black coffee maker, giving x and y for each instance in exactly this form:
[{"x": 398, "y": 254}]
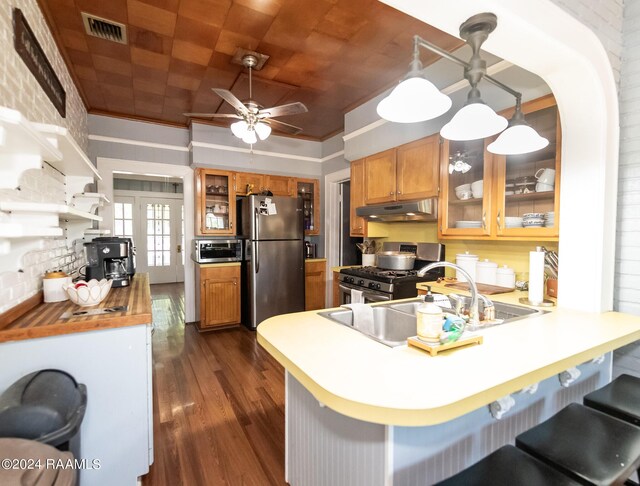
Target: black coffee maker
[{"x": 111, "y": 258}]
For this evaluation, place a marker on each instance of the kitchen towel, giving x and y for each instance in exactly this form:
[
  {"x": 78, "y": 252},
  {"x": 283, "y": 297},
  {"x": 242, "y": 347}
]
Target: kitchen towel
[
  {"x": 356, "y": 297},
  {"x": 536, "y": 276},
  {"x": 362, "y": 317}
]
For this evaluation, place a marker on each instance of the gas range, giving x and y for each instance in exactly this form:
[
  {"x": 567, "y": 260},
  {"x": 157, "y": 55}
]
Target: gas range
[{"x": 378, "y": 284}]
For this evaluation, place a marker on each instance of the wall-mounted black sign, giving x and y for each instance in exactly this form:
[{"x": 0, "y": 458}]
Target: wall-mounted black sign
[{"x": 29, "y": 49}]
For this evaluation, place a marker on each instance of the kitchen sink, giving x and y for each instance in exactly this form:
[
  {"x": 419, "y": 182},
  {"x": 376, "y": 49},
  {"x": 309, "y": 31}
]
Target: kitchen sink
[
  {"x": 394, "y": 323},
  {"x": 504, "y": 312},
  {"x": 390, "y": 326}
]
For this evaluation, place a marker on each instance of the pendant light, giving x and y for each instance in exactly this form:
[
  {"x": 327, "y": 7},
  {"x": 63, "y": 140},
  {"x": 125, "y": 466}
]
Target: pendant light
[
  {"x": 519, "y": 138},
  {"x": 416, "y": 98}
]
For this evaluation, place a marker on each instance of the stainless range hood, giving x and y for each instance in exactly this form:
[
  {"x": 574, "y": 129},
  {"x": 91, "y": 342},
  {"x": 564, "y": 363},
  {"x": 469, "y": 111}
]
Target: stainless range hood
[{"x": 423, "y": 210}]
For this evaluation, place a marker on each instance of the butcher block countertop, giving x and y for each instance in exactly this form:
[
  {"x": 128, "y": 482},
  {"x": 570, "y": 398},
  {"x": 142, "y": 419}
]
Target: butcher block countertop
[{"x": 44, "y": 319}]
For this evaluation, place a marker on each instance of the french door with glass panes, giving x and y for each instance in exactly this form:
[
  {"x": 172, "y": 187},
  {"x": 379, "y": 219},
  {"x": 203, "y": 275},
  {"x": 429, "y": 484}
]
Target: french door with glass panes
[
  {"x": 160, "y": 248},
  {"x": 157, "y": 228}
]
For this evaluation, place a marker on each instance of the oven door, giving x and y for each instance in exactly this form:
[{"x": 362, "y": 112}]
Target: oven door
[{"x": 370, "y": 296}]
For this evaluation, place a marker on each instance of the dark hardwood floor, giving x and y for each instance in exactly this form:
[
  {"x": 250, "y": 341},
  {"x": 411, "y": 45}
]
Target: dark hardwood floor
[{"x": 218, "y": 403}]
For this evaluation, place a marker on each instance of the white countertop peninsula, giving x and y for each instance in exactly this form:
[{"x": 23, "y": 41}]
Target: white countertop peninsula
[{"x": 413, "y": 415}]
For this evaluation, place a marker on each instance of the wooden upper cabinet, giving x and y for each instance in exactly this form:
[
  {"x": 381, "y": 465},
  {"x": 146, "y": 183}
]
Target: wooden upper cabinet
[
  {"x": 380, "y": 177},
  {"x": 246, "y": 179},
  {"x": 417, "y": 169},
  {"x": 358, "y": 225},
  {"x": 309, "y": 191},
  {"x": 215, "y": 203},
  {"x": 280, "y": 185}
]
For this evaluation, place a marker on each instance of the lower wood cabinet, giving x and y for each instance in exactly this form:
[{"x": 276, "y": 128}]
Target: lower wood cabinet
[
  {"x": 218, "y": 291},
  {"x": 315, "y": 278},
  {"x": 336, "y": 289}
]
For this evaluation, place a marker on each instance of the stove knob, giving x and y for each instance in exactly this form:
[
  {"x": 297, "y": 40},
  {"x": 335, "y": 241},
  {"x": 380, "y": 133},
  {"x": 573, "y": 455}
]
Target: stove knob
[
  {"x": 350, "y": 279},
  {"x": 360, "y": 282},
  {"x": 378, "y": 286},
  {"x": 371, "y": 285}
]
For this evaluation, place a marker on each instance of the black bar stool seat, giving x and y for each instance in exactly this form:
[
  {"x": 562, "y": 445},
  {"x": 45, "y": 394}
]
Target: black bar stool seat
[
  {"x": 620, "y": 398},
  {"x": 509, "y": 466},
  {"x": 585, "y": 444}
]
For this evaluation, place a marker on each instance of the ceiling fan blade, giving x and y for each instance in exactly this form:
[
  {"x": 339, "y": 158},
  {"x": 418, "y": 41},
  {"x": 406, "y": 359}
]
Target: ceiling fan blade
[
  {"x": 212, "y": 115},
  {"x": 284, "y": 127},
  {"x": 230, "y": 98},
  {"x": 288, "y": 109}
]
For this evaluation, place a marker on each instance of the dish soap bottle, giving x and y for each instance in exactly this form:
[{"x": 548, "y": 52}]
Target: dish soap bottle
[{"x": 429, "y": 320}]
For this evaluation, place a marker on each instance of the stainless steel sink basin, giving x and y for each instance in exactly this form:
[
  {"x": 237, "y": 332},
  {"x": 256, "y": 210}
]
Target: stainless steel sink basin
[
  {"x": 390, "y": 327},
  {"x": 505, "y": 312},
  {"x": 394, "y": 323}
]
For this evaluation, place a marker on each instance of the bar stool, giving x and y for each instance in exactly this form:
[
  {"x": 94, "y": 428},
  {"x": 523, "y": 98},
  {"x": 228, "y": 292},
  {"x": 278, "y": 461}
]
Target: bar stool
[
  {"x": 620, "y": 398},
  {"x": 509, "y": 466},
  {"x": 585, "y": 444}
]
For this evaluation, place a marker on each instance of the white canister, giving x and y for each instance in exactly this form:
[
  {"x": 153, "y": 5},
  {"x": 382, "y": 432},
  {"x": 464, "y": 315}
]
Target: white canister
[
  {"x": 368, "y": 260},
  {"x": 486, "y": 272},
  {"x": 467, "y": 261},
  {"x": 52, "y": 286},
  {"x": 506, "y": 277}
]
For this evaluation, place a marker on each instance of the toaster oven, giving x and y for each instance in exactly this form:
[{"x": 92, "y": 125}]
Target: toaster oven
[{"x": 217, "y": 251}]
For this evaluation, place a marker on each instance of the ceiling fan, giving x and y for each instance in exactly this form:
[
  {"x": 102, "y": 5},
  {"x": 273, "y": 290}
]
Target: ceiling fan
[{"x": 255, "y": 121}]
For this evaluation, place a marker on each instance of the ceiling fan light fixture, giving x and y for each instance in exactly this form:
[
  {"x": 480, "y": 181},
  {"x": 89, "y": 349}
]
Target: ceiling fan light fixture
[
  {"x": 239, "y": 128},
  {"x": 263, "y": 130},
  {"x": 415, "y": 99},
  {"x": 250, "y": 136},
  {"x": 473, "y": 121}
]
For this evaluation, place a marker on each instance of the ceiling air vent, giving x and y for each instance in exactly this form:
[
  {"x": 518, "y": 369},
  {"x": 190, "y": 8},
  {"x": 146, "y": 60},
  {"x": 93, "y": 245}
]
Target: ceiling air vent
[{"x": 104, "y": 29}]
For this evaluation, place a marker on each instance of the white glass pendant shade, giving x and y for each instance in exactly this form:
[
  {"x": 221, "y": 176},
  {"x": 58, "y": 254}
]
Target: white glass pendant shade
[
  {"x": 474, "y": 121},
  {"x": 250, "y": 137},
  {"x": 518, "y": 139},
  {"x": 239, "y": 128},
  {"x": 413, "y": 100},
  {"x": 263, "y": 130}
]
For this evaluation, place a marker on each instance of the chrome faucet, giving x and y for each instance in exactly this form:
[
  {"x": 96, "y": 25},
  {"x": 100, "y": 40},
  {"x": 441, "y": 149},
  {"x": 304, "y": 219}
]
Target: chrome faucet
[{"x": 474, "y": 316}]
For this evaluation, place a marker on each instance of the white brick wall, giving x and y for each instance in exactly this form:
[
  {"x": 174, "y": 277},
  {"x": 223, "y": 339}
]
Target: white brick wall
[{"x": 19, "y": 90}]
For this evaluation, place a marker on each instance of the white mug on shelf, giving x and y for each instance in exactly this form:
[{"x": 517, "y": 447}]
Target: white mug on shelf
[{"x": 546, "y": 176}]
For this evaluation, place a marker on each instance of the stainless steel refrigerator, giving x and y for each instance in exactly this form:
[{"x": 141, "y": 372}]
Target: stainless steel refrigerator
[{"x": 274, "y": 257}]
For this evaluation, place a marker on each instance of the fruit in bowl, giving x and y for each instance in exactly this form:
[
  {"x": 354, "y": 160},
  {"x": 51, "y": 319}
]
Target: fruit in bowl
[{"x": 89, "y": 293}]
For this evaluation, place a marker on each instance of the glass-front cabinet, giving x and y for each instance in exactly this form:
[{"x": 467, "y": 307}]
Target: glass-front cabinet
[
  {"x": 466, "y": 171},
  {"x": 215, "y": 202},
  {"x": 527, "y": 191},
  {"x": 494, "y": 196},
  {"x": 309, "y": 191}
]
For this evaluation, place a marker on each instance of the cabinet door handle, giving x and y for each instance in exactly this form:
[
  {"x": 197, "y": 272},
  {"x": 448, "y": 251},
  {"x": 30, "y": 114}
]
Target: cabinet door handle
[
  {"x": 498, "y": 219},
  {"x": 399, "y": 192},
  {"x": 231, "y": 225},
  {"x": 391, "y": 193},
  {"x": 484, "y": 220}
]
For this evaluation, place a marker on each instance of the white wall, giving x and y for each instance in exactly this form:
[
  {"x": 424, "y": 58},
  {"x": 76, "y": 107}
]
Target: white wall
[{"x": 21, "y": 270}]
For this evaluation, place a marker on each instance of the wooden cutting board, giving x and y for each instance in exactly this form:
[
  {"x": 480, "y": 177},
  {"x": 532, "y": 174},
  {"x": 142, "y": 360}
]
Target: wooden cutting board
[{"x": 482, "y": 288}]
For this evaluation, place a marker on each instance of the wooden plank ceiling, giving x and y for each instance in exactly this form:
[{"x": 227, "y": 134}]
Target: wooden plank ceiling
[{"x": 332, "y": 55}]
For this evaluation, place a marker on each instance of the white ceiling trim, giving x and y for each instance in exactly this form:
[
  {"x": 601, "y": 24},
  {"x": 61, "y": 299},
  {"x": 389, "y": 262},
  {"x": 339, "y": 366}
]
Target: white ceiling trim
[
  {"x": 243, "y": 150},
  {"x": 462, "y": 84},
  {"x": 332, "y": 156},
  {"x": 139, "y": 143}
]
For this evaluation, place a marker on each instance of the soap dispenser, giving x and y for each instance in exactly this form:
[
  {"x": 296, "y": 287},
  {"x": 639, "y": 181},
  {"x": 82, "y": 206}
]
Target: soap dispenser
[{"x": 429, "y": 320}]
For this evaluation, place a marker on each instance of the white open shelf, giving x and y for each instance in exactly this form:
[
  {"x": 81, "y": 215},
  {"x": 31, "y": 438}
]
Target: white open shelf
[
  {"x": 74, "y": 162},
  {"x": 97, "y": 232},
  {"x": 22, "y": 147},
  {"x": 89, "y": 201},
  {"x": 63, "y": 211}
]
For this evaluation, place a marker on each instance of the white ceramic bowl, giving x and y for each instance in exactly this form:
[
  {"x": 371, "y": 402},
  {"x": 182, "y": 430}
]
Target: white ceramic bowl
[
  {"x": 92, "y": 294},
  {"x": 541, "y": 187},
  {"x": 476, "y": 189},
  {"x": 464, "y": 195},
  {"x": 463, "y": 188}
]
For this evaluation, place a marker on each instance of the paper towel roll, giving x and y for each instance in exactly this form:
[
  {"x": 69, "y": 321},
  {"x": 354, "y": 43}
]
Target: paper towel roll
[{"x": 536, "y": 276}]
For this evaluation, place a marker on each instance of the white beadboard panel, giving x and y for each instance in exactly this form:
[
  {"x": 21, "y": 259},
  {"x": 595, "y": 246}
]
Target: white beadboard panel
[
  {"x": 325, "y": 448},
  {"x": 628, "y": 307},
  {"x": 426, "y": 455}
]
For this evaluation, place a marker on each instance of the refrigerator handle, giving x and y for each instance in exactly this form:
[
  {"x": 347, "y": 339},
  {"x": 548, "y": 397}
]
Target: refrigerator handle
[{"x": 256, "y": 263}]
